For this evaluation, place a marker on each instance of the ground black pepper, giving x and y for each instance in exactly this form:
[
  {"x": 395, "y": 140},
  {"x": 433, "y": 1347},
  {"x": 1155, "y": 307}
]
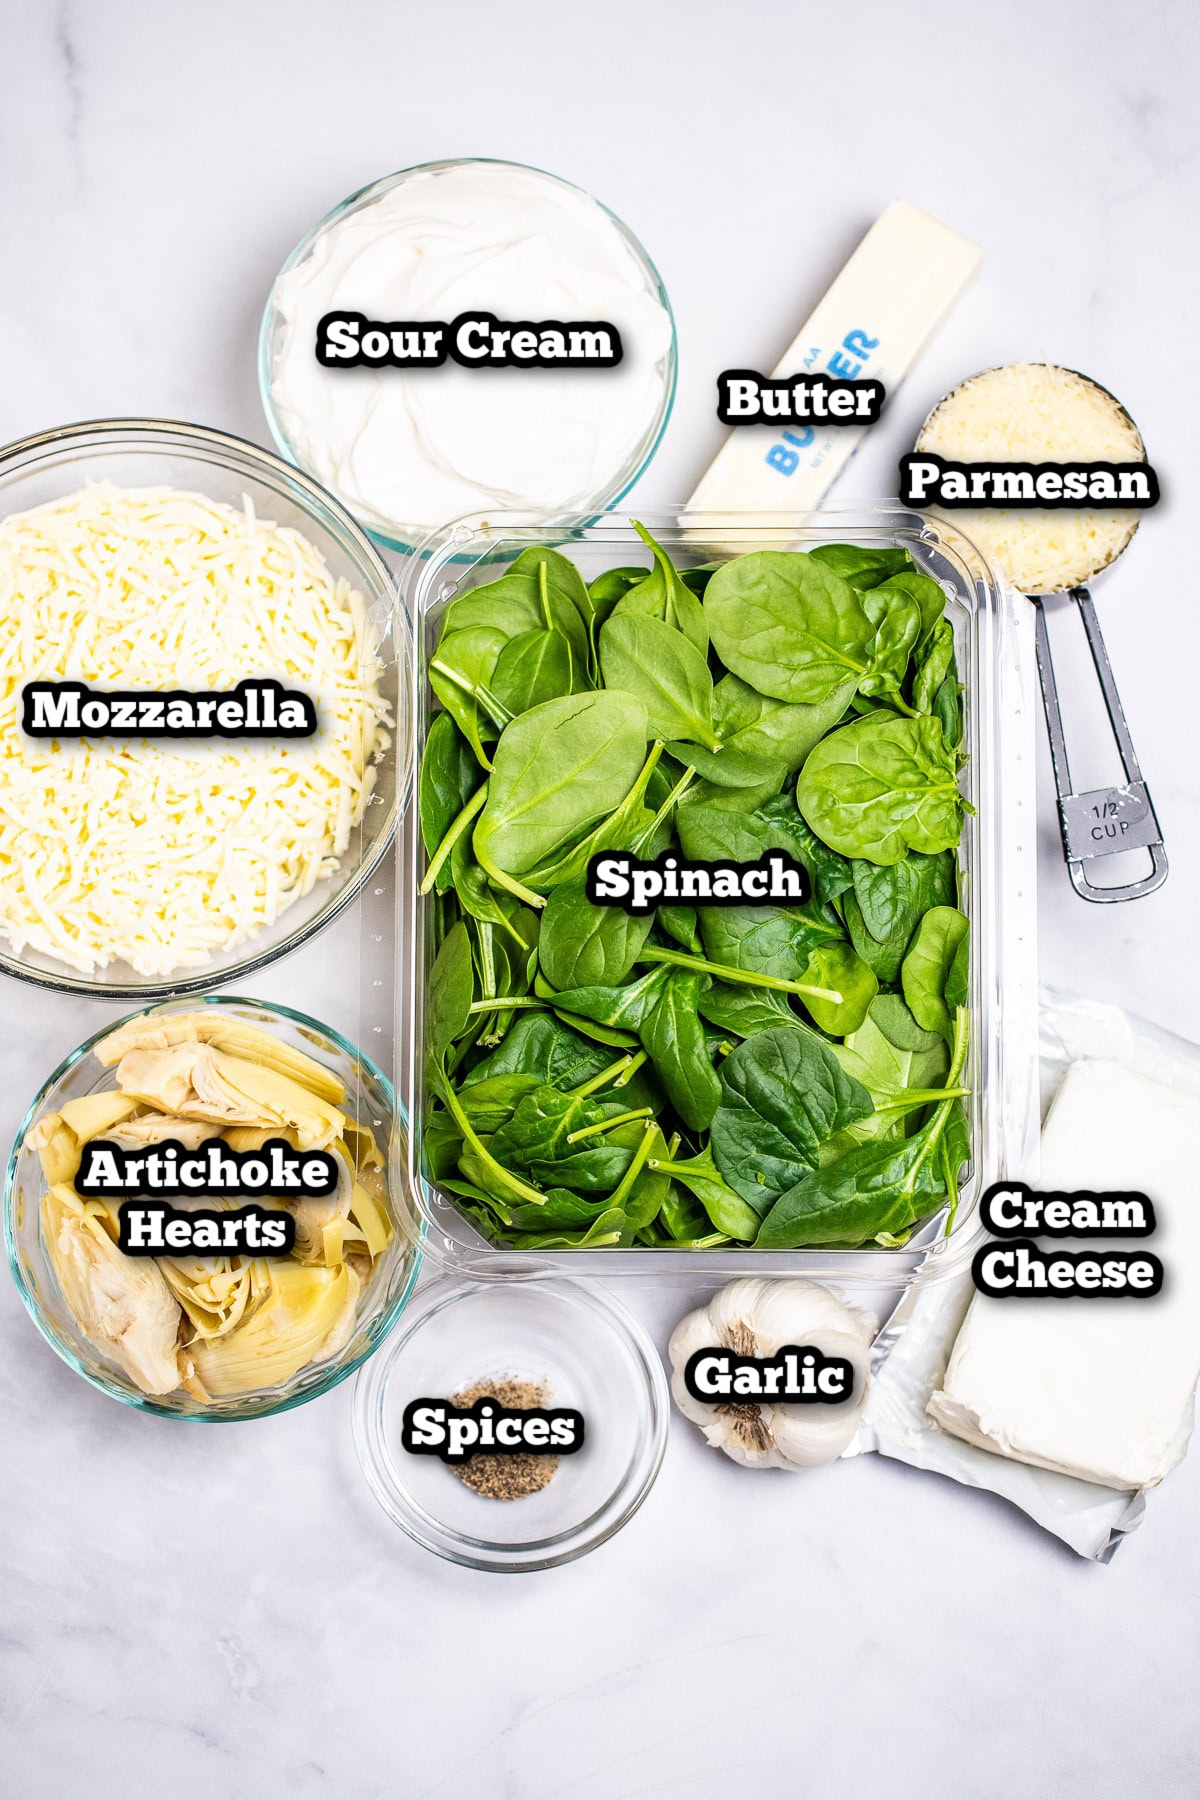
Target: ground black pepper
[{"x": 506, "y": 1477}]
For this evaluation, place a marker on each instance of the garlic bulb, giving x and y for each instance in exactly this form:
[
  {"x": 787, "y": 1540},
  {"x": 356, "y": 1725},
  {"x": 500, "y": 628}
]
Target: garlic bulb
[{"x": 755, "y": 1317}]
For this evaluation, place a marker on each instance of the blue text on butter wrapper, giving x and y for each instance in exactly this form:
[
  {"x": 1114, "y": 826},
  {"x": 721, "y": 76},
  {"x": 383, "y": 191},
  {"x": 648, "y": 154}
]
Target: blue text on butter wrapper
[{"x": 848, "y": 361}]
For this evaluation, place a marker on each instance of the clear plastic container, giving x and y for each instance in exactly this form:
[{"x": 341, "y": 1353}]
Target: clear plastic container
[
  {"x": 137, "y": 453},
  {"x": 369, "y": 1100},
  {"x": 997, "y": 863}
]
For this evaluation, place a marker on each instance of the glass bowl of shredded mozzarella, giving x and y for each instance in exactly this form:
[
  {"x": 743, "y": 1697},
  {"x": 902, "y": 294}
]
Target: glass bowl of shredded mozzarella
[{"x": 171, "y": 563}]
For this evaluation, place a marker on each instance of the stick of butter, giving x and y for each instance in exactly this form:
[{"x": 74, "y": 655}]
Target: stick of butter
[
  {"x": 1099, "y": 1388},
  {"x": 875, "y": 320}
]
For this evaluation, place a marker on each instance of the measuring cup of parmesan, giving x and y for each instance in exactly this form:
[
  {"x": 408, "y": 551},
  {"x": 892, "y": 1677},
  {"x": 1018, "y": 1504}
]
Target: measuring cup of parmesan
[
  {"x": 409, "y": 448},
  {"x": 1024, "y": 416}
]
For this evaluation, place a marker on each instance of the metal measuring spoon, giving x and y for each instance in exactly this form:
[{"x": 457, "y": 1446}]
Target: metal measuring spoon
[{"x": 1101, "y": 821}]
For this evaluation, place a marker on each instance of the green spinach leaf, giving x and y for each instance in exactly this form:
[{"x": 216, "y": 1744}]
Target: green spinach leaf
[
  {"x": 788, "y": 626},
  {"x": 862, "y": 568},
  {"x": 674, "y": 1037},
  {"x": 934, "y": 975},
  {"x": 581, "y": 945},
  {"x": 882, "y": 787},
  {"x": 663, "y": 669},
  {"x": 783, "y": 1094},
  {"x": 664, "y": 596},
  {"x": 449, "y": 776},
  {"x": 772, "y": 731},
  {"x": 559, "y": 769}
]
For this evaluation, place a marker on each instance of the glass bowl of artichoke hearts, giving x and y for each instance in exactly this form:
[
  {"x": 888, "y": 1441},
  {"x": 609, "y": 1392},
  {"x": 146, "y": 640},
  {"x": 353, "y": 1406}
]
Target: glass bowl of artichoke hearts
[{"x": 218, "y": 1336}]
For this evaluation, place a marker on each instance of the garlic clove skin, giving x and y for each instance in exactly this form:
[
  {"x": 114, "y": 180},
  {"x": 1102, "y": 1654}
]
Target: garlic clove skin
[{"x": 757, "y": 1317}]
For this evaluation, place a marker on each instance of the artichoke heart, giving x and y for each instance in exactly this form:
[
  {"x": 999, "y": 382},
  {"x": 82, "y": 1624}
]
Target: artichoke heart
[
  {"x": 59, "y": 1137},
  {"x": 198, "y": 1082},
  {"x": 316, "y": 1214},
  {"x": 223, "y": 1033},
  {"x": 307, "y": 1317},
  {"x": 216, "y": 1292},
  {"x": 121, "y": 1302},
  {"x": 157, "y": 1128}
]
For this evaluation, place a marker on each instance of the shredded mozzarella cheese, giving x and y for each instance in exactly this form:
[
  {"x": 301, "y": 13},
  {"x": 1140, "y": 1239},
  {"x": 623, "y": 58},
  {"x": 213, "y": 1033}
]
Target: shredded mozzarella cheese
[{"x": 158, "y": 853}]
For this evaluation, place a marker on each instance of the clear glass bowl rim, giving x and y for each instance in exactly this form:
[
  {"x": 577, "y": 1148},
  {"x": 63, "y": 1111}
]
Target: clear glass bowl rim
[
  {"x": 338, "y": 1372},
  {"x": 163, "y": 435},
  {"x": 370, "y": 1391},
  {"x": 412, "y": 542}
]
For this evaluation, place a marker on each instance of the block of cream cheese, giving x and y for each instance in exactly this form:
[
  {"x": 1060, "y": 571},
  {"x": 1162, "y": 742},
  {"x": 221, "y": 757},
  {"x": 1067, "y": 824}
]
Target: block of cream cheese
[
  {"x": 874, "y": 322},
  {"x": 1098, "y": 1388}
]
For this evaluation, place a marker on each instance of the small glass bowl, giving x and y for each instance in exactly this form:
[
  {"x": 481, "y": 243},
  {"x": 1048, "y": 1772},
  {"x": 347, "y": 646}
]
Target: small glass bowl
[
  {"x": 153, "y": 453},
  {"x": 570, "y": 1337},
  {"x": 405, "y": 536},
  {"x": 369, "y": 1097}
]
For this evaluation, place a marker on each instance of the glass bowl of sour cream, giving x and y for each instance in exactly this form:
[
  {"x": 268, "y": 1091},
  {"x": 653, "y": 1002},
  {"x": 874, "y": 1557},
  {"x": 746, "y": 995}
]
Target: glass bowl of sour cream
[{"x": 480, "y": 426}]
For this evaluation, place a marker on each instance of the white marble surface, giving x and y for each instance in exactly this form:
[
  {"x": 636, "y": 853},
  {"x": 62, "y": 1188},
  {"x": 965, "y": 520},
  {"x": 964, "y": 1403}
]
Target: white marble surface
[{"x": 227, "y": 1611}]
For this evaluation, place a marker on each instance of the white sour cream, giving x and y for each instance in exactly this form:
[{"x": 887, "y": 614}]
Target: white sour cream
[{"x": 416, "y": 448}]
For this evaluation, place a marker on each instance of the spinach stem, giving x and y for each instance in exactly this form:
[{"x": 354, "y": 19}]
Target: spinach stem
[
  {"x": 665, "y": 809},
  {"x": 503, "y": 1175},
  {"x": 747, "y": 977},
  {"x": 586, "y": 1131},
  {"x": 496, "y": 874},
  {"x": 453, "y": 833},
  {"x": 641, "y": 1155},
  {"x": 502, "y": 1003},
  {"x": 605, "y": 1076},
  {"x": 635, "y": 1062},
  {"x": 913, "y": 1097},
  {"x": 481, "y": 695}
]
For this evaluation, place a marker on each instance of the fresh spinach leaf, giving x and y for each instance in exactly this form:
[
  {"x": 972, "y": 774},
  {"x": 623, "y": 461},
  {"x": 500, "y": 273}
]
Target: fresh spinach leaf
[
  {"x": 744, "y": 1011},
  {"x": 783, "y": 1094},
  {"x": 626, "y": 1008},
  {"x": 878, "y": 1190},
  {"x": 862, "y": 568},
  {"x": 663, "y": 669},
  {"x": 788, "y": 626},
  {"x": 889, "y": 900},
  {"x": 932, "y": 664},
  {"x": 911, "y": 584},
  {"x": 897, "y": 621},
  {"x": 540, "y": 589},
  {"x": 449, "y": 776},
  {"x": 722, "y": 1204},
  {"x": 534, "y": 667},
  {"x": 665, "y": 597},
  {"x": 451, "y": 990},
  {"x": 559, "y": 769},
  {"x": 934, "y": 975},
  {"x": 674, "y": 1037},
  {"x": 890, "y": 1012},
  {"x": 829, "y": 873},
  {"x": 730, "y": 768},
  {"x": 837, "y": 966},
  {"x": 581, "y": 945},
  {"x": 771, "y": 731},
  {"x": 540, "y": 1045},
  {"x": 882, "y": 787}
]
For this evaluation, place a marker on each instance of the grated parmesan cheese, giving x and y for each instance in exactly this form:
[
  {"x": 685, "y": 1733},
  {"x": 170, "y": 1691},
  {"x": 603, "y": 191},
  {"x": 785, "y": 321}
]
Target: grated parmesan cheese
[
  {"x": 1037, "y": 412},
  {"x": 163, "y": 854}
]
